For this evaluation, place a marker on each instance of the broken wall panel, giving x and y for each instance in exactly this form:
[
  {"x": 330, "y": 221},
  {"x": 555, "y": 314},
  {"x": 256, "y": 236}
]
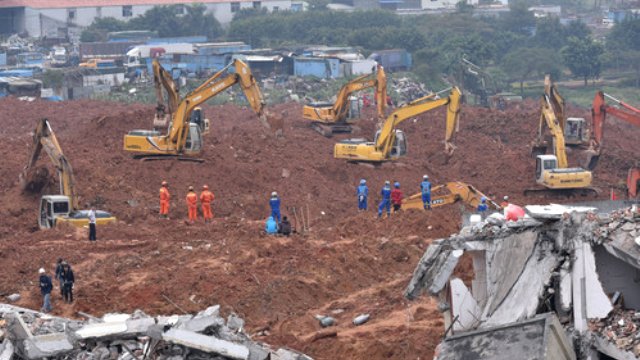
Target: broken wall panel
[{"x": 616, "y": 275}]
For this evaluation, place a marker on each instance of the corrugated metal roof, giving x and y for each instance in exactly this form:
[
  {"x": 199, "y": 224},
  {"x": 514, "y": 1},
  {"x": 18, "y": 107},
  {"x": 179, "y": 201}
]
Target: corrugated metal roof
[{"x": 51, "y": 4}]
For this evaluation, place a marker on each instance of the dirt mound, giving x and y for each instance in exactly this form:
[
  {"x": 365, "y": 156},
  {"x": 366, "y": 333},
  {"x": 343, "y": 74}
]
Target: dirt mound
[{"x": 348, "y": 263}]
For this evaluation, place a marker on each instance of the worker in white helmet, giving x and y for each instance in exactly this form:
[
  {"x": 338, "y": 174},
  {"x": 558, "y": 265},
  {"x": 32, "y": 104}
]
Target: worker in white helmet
[{"x": 274, "y": 202}]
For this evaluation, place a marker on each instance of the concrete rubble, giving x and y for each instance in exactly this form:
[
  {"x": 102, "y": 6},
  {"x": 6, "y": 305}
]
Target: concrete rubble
[
  {"x": 206, "y": 335},
  {"x": 573, "y": 265}
]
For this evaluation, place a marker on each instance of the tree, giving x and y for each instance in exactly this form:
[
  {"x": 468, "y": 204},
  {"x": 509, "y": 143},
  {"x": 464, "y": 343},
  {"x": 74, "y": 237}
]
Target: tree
[
  {"x": 524, "y": 63},
  {"x": 463, "y": 7},
  {"x": 583, "y": 57},
  {"x": 519, "y": 19}
]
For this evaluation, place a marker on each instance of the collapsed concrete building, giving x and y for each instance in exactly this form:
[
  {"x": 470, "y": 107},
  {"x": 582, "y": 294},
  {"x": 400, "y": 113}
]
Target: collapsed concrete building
[
  {"x": 27, "y": 334},
  {"x": 562, "y": 283}
]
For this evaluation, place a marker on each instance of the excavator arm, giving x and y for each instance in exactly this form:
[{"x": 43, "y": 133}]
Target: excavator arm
[
  {"x": 599, "y": 111},
  {"x": 45, "y": 138},
  {"x": 450, "y": 193},
  {"x": 386, "y": 138},
  {"x": 548, "y": 118},
  {"x": 163, "y": 80},
  {"x": 211, "y": 88}
]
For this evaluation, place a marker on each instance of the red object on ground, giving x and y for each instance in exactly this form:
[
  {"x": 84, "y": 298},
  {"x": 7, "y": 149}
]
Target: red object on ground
[{"x": 514, "y": 213}]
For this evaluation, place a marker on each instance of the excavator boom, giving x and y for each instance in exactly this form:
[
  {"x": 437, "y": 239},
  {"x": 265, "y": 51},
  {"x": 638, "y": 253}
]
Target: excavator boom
[
  {"x": 45, "y": 138},
  {"x": 450, "y": 193},
  {"x": 390, "y": 143}
]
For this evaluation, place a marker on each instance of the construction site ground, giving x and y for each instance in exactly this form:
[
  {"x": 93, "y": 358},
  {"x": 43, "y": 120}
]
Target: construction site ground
[{"x": 348, "y": 263}]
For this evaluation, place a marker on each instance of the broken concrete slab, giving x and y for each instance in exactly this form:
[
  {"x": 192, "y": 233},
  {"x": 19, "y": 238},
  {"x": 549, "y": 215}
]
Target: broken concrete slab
[
  {"x": 45, "y": 346},
  {"x": 13, "y": 297},
  {"x": 589, "y": 299},
  {"x": 555, "y": 211},
  {"x": 207, "y": 344},
  {"x": 541, "y": 337},
  {"x": 201, "y": 323},
  {"x": 434, "y": 270},
  {"x": 131, "y": 327},
  {"x": 463, "y": 306},
  {"x": 7, "y": 350}
]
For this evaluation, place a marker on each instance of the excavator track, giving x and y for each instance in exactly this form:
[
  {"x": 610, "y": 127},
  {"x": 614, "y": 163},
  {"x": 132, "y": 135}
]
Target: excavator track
[
  {"x": 167, "y": 157},
  {"x": 327, "y": 130},
  {"x": 562, "y": 193}
]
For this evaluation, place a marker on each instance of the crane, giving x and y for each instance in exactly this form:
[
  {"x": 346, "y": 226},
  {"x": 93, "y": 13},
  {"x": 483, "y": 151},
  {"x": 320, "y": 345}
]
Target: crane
[
  {"x": 183, "y": 139},
  {"x": 390, "y": 143},
  {"x": 552, "y": 171},
  {"x": 330, "y": 118},
  {"x": 599, "y": 111},
  {"x": 55, "y": 209}
]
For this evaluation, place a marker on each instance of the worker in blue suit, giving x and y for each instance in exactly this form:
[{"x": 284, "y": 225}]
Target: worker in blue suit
[
  {"x": 386, "y": 199},
  {"x": 363, "y": 194},
  {"x": 425, "y": 189}
]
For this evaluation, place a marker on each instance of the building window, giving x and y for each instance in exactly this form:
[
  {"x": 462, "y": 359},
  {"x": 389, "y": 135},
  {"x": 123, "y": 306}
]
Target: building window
[
  {"x": 235, "y": 6},
  {"x": 127, "y": 11},
  {"x": 257, "y": 5},
  {"x": 71, "y": 14}
]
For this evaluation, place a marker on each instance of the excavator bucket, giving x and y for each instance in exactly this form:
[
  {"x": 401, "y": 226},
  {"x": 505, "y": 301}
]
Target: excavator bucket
[{"x": 592, "y": 159}]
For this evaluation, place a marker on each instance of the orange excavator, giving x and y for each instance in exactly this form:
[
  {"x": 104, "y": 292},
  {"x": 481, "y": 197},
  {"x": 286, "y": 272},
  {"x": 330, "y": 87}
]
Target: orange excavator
[{"x": 599, "y": 111}]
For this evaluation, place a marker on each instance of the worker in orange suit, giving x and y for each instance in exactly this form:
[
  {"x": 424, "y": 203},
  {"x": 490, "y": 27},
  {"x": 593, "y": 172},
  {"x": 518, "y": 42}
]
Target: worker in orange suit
[
  {"x": 192, "y": 205},
  {"x": 206, "y": 198},
  {"x": 164, "y": 200}
]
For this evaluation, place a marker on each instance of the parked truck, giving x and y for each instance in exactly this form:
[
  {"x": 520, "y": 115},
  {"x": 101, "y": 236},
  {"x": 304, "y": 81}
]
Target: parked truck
[{"x": 137, "y": 55}]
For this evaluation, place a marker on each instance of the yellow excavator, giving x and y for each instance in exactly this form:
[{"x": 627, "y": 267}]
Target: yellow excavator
[
  {"x": 575, "y": 129},
  {"x": 328, "y": 118},
  {"x": 183, "y": 139},
  {"x": 390, "y": 143},
  {"x": 450, "y": 193},
  {"x": 552, "y": 171},
  {"x": 55, "y": 209},
  {"x": 164, "y": 80}
]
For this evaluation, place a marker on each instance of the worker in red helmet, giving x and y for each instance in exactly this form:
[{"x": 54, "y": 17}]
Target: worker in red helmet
[
  {"x": 164, "y": 200},
  {"x": 206, "y": 198},
  {"x": 192, "y": 205}
]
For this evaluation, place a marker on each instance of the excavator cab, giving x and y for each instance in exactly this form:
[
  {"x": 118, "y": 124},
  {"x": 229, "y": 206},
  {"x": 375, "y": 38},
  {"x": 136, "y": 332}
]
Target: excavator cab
[
  {"x": 354, "y": 108},
  {"x": 399, "y": 147},
  {"x": 52, "y": 207},
  {"x": 545, "y": 163},
  {"x": 194, "y": 139},
  {"x": 575, "y": 131}
]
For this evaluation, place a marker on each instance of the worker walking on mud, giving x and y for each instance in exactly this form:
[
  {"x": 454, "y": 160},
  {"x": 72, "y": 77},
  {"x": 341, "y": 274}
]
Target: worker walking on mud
[
  {"x": 45, "y": 289},
  {"x": 483, "y": 208},
  {"x": 67, "y": 282},
  {"x": 58, "y": 274},
  {"x": 164, "y": 200},
  {"x": 363, "y": 194},
  {"x": 386, "y": 199},
  {"x": 92, "y": 224},
  {"x": 274, "y": 203},
  {"x": 206, "y": 198},
  {"x": 192, "y": 205},
  {"x": 425, "y": 189},
  {"x": 396, "y": 196}
]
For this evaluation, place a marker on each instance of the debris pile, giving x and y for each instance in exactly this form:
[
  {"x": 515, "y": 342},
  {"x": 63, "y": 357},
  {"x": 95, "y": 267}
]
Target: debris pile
[
  {"x": 571, "y": 261},
  {"x": 206, "y": 335},
  {"x": 621, "y": 329}
]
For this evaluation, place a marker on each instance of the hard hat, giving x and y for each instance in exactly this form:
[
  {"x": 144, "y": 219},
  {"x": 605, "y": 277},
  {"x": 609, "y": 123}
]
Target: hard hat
[
  {"x": 190, "y": 188},
  {"x": 506, "y": 198},
  {"x": 483, "y": 199},
  {"x": 274, "y": 194},
  {"x": 205, "y": 187},
  {"x": 164, "y": 183},
  {"x": 425, "y": 177},
  {"x": 387, "y": 182},
  {"x": 396, "y": 184},
  {"x": 363, "y": 181},
  {"x": 41, "y": 271}
]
